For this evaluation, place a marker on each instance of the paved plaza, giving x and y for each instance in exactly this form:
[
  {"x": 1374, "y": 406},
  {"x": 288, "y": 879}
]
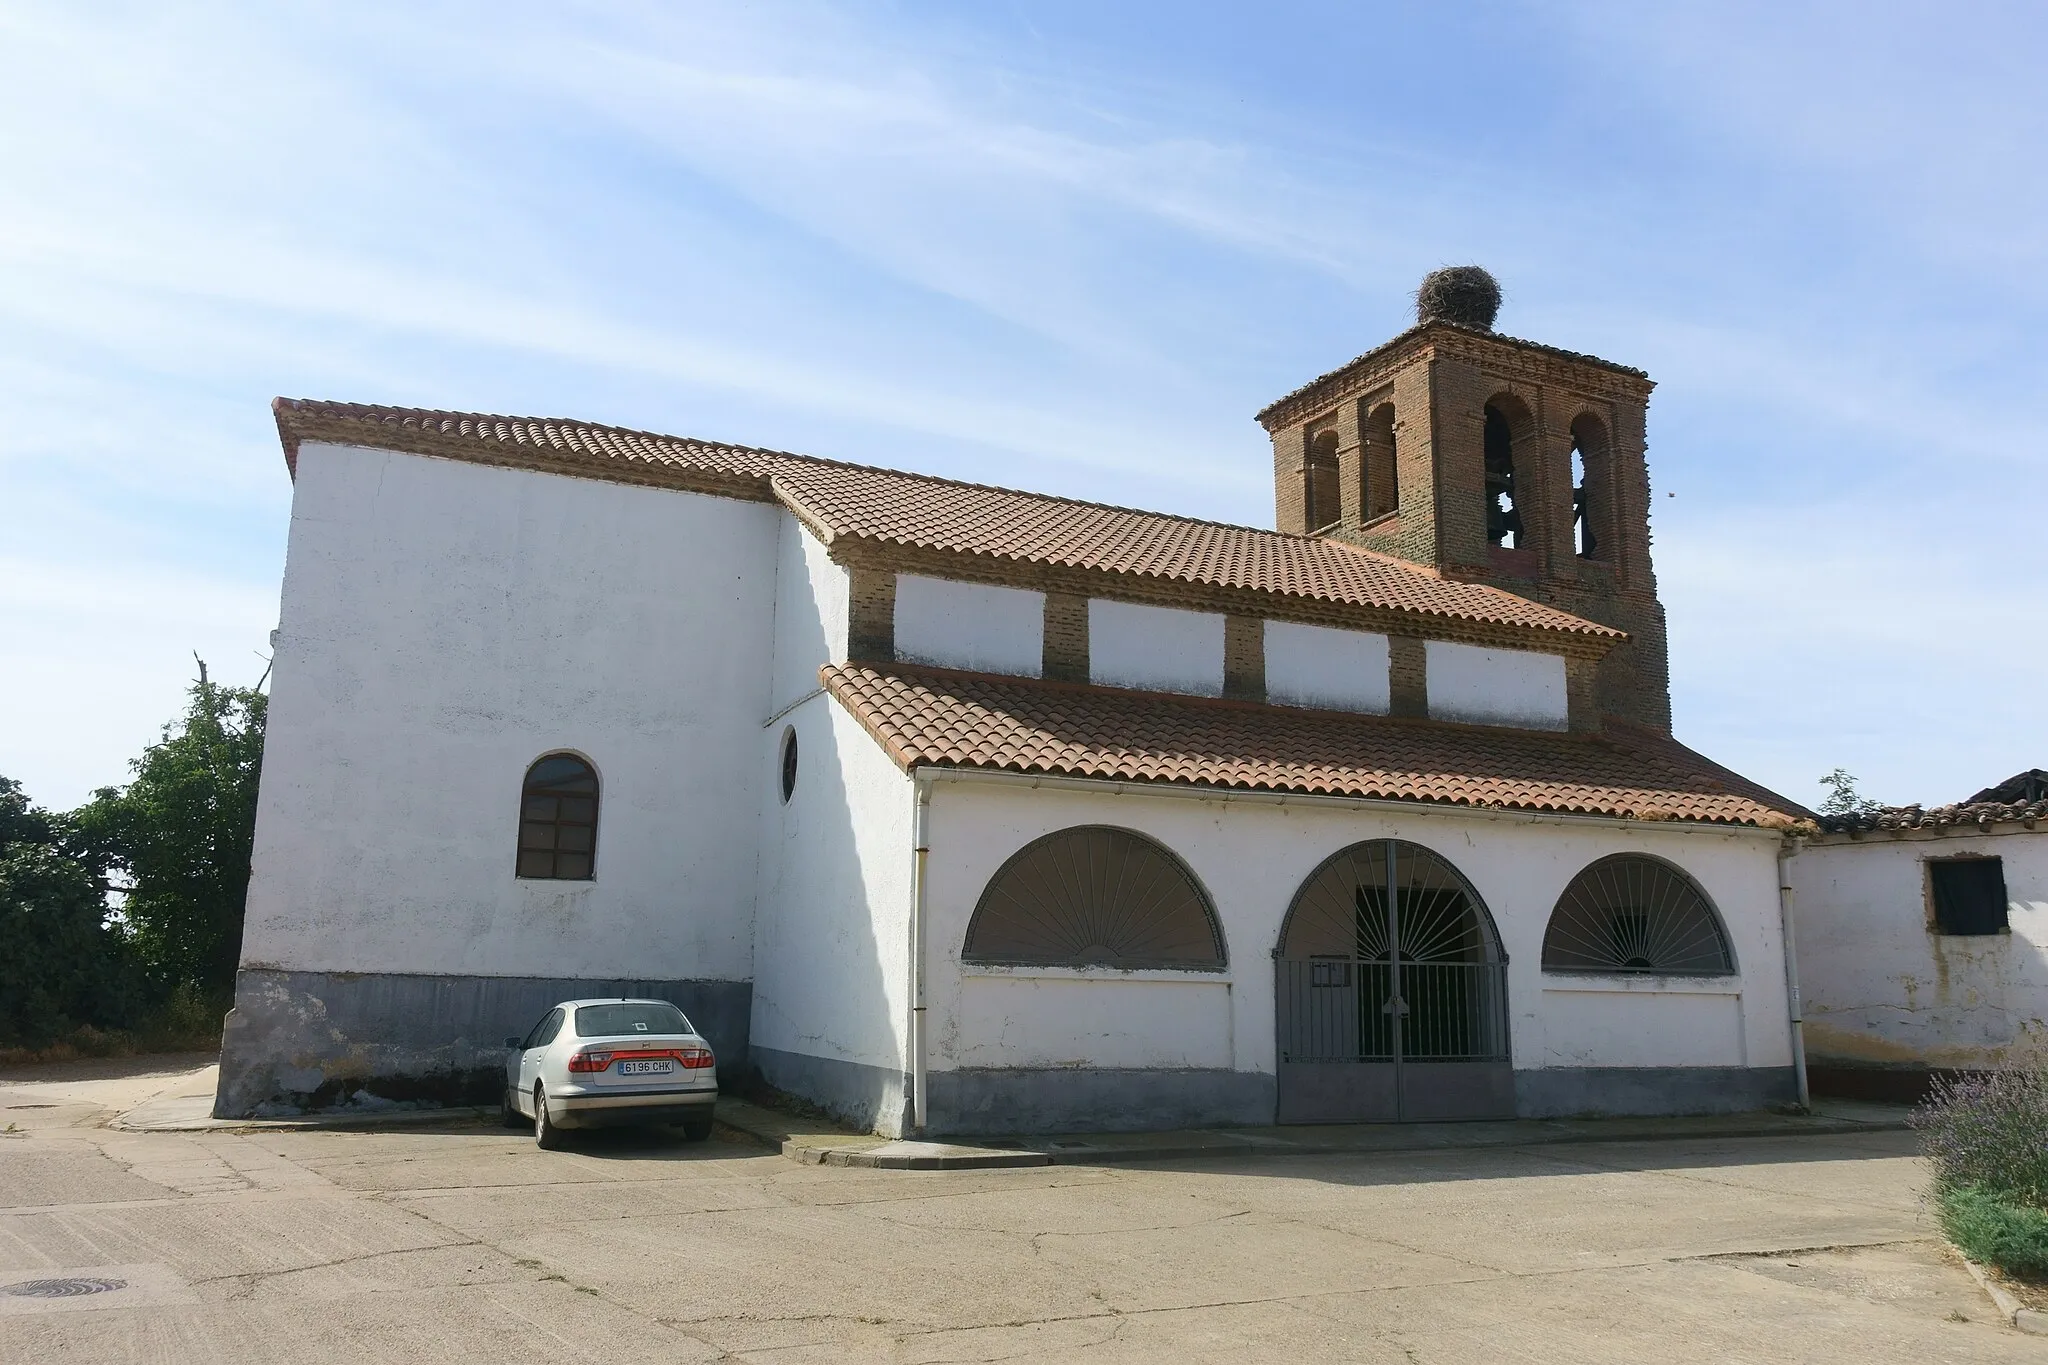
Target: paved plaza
[{"x": 457, "y": 1241}]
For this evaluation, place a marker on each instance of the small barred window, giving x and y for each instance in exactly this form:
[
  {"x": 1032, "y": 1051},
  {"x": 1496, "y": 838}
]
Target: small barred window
[{"x": 558, "y": 820}]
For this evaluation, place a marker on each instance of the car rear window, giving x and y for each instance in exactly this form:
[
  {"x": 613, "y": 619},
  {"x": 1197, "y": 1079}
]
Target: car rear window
[{"x": 604, "y": 1021}]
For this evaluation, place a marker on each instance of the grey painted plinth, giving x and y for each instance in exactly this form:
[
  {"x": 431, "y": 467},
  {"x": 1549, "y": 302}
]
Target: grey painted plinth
[
  {"x": 1027, "y": 1101},
  {"x": 869, "y": 1097},
  {"x": 1023, "y": 1100},
  {"x": 1644, "y": 1091},
  {"x": 297, "y": 1040}
]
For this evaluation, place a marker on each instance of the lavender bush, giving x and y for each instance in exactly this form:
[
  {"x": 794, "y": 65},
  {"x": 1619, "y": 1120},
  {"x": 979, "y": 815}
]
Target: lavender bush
[
  {"x": 1986, "y": 1136},
  {"x": 1989, "y": 1130}
]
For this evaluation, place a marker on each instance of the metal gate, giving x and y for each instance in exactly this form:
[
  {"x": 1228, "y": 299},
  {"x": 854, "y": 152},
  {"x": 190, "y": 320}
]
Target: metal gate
[{"x": 1391, "y": 992}]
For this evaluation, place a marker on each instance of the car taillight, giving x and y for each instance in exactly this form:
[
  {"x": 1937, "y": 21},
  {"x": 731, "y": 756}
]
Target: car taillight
[{"x": 694, "y": 1058}]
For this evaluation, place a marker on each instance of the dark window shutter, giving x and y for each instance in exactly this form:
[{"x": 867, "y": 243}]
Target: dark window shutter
[{"x": 1969, "y": 896}]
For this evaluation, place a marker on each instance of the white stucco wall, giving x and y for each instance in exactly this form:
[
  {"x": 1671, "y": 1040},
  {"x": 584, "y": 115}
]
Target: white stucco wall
[
  {"x": 444, "y": 624},
  {"x": 1495, "y": 686},
  {"x": 1161, "y": 649},
  {"x": 812, "y": 597},
  {"x": 1253, "y": 856},
  {"x": 1344, "y": 670},
  {"x": 833, "y": 934},
  {"x": 970, "y": 625},
  {"x": 1881, "y": 988}
]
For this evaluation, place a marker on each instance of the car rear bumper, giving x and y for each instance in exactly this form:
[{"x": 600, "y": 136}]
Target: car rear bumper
[{"x": 632, "y": 1106}]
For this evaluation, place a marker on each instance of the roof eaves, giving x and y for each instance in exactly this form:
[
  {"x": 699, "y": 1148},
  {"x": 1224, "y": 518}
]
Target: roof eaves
[
  {"x": 1696, "y": 776},
  {"x": 1964, "y": 817},
  {"x": 459, "y": 436},
  {"x": 1438, "y": 324}
]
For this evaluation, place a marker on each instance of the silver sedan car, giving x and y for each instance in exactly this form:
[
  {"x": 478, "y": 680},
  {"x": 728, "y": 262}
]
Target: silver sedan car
[{"x": 596, "y": 1063}]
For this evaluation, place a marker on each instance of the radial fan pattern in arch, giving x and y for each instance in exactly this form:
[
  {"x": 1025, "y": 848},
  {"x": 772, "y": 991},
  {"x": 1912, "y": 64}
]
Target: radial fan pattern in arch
[
  {"x": 1094, "y": 896},
  {"x": 1628, "y": 913}
]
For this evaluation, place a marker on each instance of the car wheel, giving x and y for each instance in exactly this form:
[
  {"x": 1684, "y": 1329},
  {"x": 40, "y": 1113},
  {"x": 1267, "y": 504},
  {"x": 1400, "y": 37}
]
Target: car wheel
[
  {"x": 696, "y": 1130},
  {"x": 511, "y": 1117},
  {"x": 546, "y": 1136}
]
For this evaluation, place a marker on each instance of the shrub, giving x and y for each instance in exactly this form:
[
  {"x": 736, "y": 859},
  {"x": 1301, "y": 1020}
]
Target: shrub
[
  {"x": 1986, "y": 1136},
  {"x": 1989, "y": 1227},
  {"x": 1990, "y": 1130}
]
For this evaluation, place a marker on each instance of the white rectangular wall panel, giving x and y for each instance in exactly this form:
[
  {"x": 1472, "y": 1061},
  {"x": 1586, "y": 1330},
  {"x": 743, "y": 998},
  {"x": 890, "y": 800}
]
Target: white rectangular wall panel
[
  {"x": 970, "y": 625},
  {"x": 1496, "y": 686},
  {"x": 1157, "y": 649},
  {"x": 1343, "y": 670},
  {"x": 1642, "y": 1028},
  {"x": 1042, "y": 1020}
]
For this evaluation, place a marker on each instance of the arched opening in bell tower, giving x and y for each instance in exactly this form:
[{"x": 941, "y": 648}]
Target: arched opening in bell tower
[
  {"x": 1503, "y": 517},
  {"x": 1382, "y": 492},
  {"x": 1592, "y": 488},
  {"x": 1321, "y": 504}
]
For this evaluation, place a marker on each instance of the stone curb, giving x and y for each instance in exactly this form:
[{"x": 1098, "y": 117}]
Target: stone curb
[
  {"x": 941, "y": 1156},
  {"x": 2017, "y": 1314},
  {"x": 868, "y": 1159}
]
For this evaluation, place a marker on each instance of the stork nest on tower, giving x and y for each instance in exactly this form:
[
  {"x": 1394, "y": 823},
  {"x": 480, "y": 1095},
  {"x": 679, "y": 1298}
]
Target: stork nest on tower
[{"x": 1465, "y": 294}]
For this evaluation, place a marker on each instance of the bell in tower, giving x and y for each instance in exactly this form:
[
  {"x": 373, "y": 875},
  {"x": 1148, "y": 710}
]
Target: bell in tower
[{"x": 1489, "y": 459}]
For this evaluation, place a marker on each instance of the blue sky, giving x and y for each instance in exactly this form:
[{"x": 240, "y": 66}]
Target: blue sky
[{"x": 1064, "y": 246}]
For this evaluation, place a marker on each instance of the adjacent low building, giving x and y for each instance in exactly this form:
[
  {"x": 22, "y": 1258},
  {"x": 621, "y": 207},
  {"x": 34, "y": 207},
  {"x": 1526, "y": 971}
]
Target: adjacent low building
[
  {"x": 961, "y": 809},
  {"x": 1923, "y": 940}
]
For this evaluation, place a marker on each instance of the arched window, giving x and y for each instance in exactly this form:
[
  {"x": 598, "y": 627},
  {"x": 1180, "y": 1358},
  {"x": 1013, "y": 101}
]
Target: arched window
[
  {"x": 1382, "y": 475},
  {"x": 1320, "y": 503},
  {"x": 558, "y": 819},
  {"x": 788, "y": 763},
  {"x": 1503, "y": 518},
  {"x": 1095, "y": 896},
  {"x": 1592, "y": 484},
  {"x": 1632, "y": 914}
]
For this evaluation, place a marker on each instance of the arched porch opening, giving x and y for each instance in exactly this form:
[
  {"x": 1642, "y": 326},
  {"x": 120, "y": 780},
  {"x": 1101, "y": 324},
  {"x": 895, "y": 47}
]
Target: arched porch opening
[{"x": 1391, "y": 993}]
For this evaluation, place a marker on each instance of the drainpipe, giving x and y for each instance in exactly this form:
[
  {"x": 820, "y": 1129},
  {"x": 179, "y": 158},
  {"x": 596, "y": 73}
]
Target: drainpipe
[
  {"x": 1786, "y": 853},
  {"x": 920, "y": 823}
]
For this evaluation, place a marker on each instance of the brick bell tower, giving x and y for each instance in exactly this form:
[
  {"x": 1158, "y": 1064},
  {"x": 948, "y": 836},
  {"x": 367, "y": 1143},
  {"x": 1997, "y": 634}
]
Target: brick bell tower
[{"x": 1493, "y": 460}]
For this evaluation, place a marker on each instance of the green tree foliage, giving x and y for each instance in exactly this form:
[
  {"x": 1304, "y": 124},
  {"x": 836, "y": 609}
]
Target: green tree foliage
[
  {"x": 61, "y": 964},
  {"x": 179, "y": 836},
  {"x": 1842, "y": 796}
]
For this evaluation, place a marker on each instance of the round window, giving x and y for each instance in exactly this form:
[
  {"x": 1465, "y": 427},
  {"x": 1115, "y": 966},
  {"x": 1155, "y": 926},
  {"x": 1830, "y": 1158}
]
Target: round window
[{"x": 788, "y": 764}]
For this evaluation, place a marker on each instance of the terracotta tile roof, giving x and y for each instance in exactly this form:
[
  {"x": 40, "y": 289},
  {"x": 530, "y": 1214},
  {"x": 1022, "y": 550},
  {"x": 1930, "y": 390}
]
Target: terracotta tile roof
[
  {"x": 940, "y": 514},
  {"x": 2020, "y": 799},
  {"x": 597, "y": 447},
  {"x": 926, "y": 716},
  {"x": 926, "y": 512}
]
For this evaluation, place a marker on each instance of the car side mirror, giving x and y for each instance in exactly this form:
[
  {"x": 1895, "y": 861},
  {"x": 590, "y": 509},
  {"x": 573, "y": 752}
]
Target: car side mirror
[{"x": 512, "y": 1044}]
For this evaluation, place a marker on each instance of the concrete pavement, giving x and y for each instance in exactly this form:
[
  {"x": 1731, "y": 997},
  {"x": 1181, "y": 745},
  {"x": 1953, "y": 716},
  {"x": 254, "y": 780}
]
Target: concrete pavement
[{"x": 455, "y": 1240}]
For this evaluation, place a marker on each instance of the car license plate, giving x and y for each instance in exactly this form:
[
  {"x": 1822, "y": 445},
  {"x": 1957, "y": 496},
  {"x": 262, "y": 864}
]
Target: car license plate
[{"x": 660, "y": 1068}]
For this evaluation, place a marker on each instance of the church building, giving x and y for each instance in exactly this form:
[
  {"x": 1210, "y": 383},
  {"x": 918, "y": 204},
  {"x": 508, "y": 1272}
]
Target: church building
[{"x": 962, "y": 810}]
